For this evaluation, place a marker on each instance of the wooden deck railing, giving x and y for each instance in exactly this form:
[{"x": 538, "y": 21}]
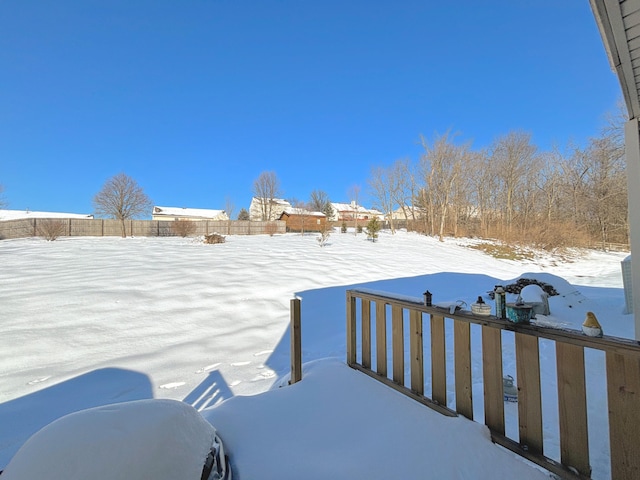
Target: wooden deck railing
[{"x": 367, "y": 314}]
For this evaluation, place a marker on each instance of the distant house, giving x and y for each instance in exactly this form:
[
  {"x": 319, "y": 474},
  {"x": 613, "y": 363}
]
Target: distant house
[
  {"x": 276, "y": 207},
  {"x": 347, "y": 212},
  {"x": 177, "y": 213},
  {"x": 407, "y": 213},
  {"x": 300, "y": 220},
  {"x": 22, "y": 214}
]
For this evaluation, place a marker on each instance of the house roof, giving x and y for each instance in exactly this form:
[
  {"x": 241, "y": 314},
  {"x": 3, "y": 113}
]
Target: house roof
[
  {"x": 187, "y": 212},
  {"x": 619, "y": 25},
  {"x": 278, "y": 201},
  {"x": 347, "y": 207},
  {"x": 22, "y": 214},
  {"x": 302, "y": 211}
]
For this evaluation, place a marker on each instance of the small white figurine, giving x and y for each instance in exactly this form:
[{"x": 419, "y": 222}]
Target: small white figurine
[{"x": 591, "y": 326}]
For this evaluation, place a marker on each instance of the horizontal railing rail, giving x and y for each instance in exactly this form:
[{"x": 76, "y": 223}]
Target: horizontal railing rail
[{"x": 367, "y": 316}]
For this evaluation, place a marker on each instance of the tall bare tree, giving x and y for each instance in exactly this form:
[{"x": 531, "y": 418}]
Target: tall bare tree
[
  {"x": 265, "y": 188},
  {"x": 319, "y": 202},
  {"x": 511, "y": 157},
  {"x": 382, "y": 186},
  {"x": 3, "y": 201},
  {"x": 354, "y": 195},
  {"x": 121, "y": 198},
  {"x": 442, "y": 166}
]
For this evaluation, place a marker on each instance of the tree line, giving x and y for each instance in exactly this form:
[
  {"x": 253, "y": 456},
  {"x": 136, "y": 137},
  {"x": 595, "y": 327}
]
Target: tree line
[{"x": 512, "y": 191}]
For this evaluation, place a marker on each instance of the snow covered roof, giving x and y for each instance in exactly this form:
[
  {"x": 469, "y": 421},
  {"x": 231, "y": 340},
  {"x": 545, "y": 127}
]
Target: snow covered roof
[
  {"x": 278, "y": 201},
  {"x": 348, "y": 207},
  {"x": 302, "y": 211},
  {"x": 22, "y": 214},
  {"x": 187, "y": 212}
]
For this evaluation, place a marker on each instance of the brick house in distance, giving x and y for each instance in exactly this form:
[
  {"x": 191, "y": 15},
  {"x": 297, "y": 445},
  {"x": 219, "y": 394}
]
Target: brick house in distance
[{"x": 300, "y": 220}]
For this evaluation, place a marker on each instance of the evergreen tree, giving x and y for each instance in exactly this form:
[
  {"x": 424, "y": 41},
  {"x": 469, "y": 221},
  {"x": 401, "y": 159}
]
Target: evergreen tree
[
  {"x": 373, "y": 227},
  {"x": 243, "y": 215}
]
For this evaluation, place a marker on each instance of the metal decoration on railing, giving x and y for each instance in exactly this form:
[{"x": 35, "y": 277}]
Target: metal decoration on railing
[
  {"x": 428, "y": 298},
  {"x": 501, "y": 302}
]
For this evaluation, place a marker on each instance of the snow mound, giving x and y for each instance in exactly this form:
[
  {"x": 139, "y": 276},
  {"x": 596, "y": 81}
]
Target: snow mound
[{"x": 159, "y": 439}]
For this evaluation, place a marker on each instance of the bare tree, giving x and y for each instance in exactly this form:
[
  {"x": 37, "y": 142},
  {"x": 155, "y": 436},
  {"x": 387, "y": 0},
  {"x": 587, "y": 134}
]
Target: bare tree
[
  {"x": 229, "y": 207},
  {"x": 354, "y": 194},
  {"x": 3, "y": 201},
  {"x": 121, "y": 198},
  {"x": 382, "y": 184},
  {"x": 319, "y": 202},
  {"x": 512, "y": 155},
  {"x": 50, "y": 229},
  {"x": 265, "y": 188},
  {"x": 442, "y": 165}
]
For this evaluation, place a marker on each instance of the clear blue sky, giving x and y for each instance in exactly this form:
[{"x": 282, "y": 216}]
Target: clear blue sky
[{"x": 194, "y": 98}]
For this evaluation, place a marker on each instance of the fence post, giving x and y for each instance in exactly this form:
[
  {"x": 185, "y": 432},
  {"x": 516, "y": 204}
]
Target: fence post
[
  {"x": 351, "y": 329},
  {"x": 296, "y": 342}
]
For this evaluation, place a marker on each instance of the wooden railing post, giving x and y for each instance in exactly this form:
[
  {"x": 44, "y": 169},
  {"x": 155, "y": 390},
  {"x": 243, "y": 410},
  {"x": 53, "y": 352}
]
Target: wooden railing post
[
  {"x": 416, "y": 349},
  {"x": 438, "y": 361},
  {"x": 296, "y": 342},
  {"x": 492, "y": 379},
  {"x": 366, "y": 333},
  {"x": 529, "y": 392},
  {"x": 381, "y": 338},
  {"x": 397, "y": 343},
  {"x": 572, "y": 406},
  {"x": 462, "y": 365},
  {"x": 351, "y": 329},
  {"x": 623, "y": 394}
]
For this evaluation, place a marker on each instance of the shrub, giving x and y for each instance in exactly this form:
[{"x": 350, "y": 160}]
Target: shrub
[
  {"x": 343, "y": 228},
  {"x": 359, "y": 229},
  {"x": 373, "y": 227},
  {"x": 324, "y": 235},
  {"x": 214, "y": 238},
  {"x": 270, "y": 228},
  {"x": 184, "y": 228},
  {"x": 51, "y": 229}
]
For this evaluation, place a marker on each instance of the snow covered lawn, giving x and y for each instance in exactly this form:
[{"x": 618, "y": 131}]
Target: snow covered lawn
[{"x": 95, "y": 321}]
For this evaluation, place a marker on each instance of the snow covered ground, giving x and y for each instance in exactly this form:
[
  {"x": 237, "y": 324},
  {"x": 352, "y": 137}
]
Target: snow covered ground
[{"x": 95, "y": 321}]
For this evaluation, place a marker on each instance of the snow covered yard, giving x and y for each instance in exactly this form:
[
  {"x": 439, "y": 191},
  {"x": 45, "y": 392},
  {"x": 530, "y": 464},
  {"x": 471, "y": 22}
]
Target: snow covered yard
[{"x": 94, "y": 321}]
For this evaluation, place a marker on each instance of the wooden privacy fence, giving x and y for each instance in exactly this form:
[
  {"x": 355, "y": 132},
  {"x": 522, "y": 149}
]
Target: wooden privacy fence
[
  {"x": 367, "y": 316},
  {"x": 87, "y": 227}
]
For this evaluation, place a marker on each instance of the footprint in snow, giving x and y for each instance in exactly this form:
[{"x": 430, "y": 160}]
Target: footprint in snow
[
  {"x": 169, "y": 386},
  {"x": 235, "y": 382}
]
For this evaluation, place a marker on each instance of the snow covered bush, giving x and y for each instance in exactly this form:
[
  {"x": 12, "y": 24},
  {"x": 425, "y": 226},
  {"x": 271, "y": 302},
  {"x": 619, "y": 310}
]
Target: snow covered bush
[{"x": 213, "y": 238}]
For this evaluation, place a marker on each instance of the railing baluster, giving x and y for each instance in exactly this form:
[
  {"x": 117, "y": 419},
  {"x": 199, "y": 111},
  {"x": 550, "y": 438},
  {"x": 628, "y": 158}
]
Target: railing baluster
[
  {"x": 492, "y": 378},
  {"x": 438, "y": 361},
  {"x": 366, "y": 333},
  {"x": 351, "y": 329},
  {"x": 529, "y": 397},
  {"x": 416, "y": 348},
  {"x": 397, "y": 344},
  {"x": 462, "y": 352},
  {"x": 381, "y": 338},
  {"x": 296, "y": 341},
  {"x": 623, "y": 394},
  {"x": 572, "y": 407}
]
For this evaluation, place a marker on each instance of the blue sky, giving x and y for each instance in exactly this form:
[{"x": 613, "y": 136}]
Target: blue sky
[{"x": 195, "y": 98}]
